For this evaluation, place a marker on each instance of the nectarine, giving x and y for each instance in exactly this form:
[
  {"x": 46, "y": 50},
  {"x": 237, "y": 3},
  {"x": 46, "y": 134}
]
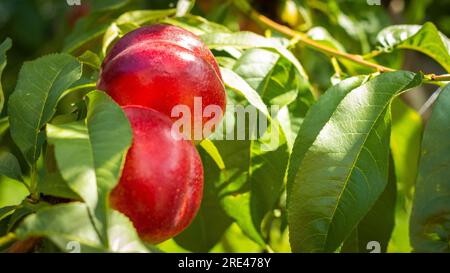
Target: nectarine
[
  {"x": 160, "y": 67},
  {"x": 161, "y": 186}
]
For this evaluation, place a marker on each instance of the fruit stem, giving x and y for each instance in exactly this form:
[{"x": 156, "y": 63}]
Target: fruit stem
[{"x": 299, "y": 37}]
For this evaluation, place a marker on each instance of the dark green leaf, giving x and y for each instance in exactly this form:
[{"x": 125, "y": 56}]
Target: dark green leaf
[
  {"x": 377, "y": 226},
  {"x": 9, "y": 166},
  {"x": 339, "y": 165},
  {"x": 4, "y": 47},
  {"x": 6, "y": 211},
  {"x": 430, "y": 219}
]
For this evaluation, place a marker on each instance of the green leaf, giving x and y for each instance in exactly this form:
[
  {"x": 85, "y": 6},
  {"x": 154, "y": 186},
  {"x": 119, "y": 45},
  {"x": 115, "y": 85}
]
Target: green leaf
[
  {"x": 236, "y": 83},
  {"x": 378, "y": 224},
  {"x": 9, "y": 166},
  {"x": 406, "y": 138},
  {"x": 74, "y": 157},
  {"x": 339, "y": 165},
  {"x": 430, "y": 219},
  {"x": 211, "y": 149},
  {"x": 12, "y": 192},
  {"x": 4, "y": 47},
  {"x": 276, "y": 81},
  {"x": 90, "y": 153},
  {"x": 252, "y": 180},
  {"x": 53, "y": 184},
  {"x": 317, "y": 117},
  {"x": 40, "y": 85},
  {"x": 63, "y": 224},
  {"x": 23, "y": 210},
  {"x": 91, "y": 59},
  {"x": 255, "y": 66},
  {"x": 50, "y": 180},
  {"x": 245, "y": 40},
  {"x": 426, "y": 39},
  {"x": 6, "y": 211},
  {"x": 235, "y": 241},
  {"x": 122, "y": 235},
  {"x": 57, "y": 223},
  {"x": 4, "y": 127}
]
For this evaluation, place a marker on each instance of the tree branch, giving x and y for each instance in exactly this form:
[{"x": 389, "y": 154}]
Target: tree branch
[{"x": 304, "y": 39}]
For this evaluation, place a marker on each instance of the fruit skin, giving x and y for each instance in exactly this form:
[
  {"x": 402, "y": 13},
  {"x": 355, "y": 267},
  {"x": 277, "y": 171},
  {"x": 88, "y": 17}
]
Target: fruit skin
[
  {"x": 164, "y": 33},
  {"x": 162, "y": 66},
  {"x": 161, "y": 186}
]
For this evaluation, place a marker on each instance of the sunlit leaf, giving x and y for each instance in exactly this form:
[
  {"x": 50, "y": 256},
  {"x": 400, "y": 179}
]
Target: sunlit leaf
[
  {"x": 184, "y": 7},
  {"x": 90, "y": 153},
  {"x": 426, "y": 39},
  {"x": 40, "y": 85},
  {"x": 247, "y": 40},
  {"x": 57, "y": 223}
]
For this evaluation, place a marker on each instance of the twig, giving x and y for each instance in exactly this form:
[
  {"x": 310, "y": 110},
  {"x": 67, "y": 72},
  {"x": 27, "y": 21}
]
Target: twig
[{"x": 433, "y": 77}]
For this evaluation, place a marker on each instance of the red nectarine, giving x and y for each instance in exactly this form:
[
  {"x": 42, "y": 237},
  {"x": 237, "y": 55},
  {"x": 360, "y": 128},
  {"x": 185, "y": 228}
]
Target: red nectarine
[
  {"x": 161, "y": 186},
  {"x": 160, "y": 67}
]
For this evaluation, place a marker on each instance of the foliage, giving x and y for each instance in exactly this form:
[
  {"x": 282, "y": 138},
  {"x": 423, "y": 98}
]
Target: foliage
[{"x": 350, "y": 166}]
